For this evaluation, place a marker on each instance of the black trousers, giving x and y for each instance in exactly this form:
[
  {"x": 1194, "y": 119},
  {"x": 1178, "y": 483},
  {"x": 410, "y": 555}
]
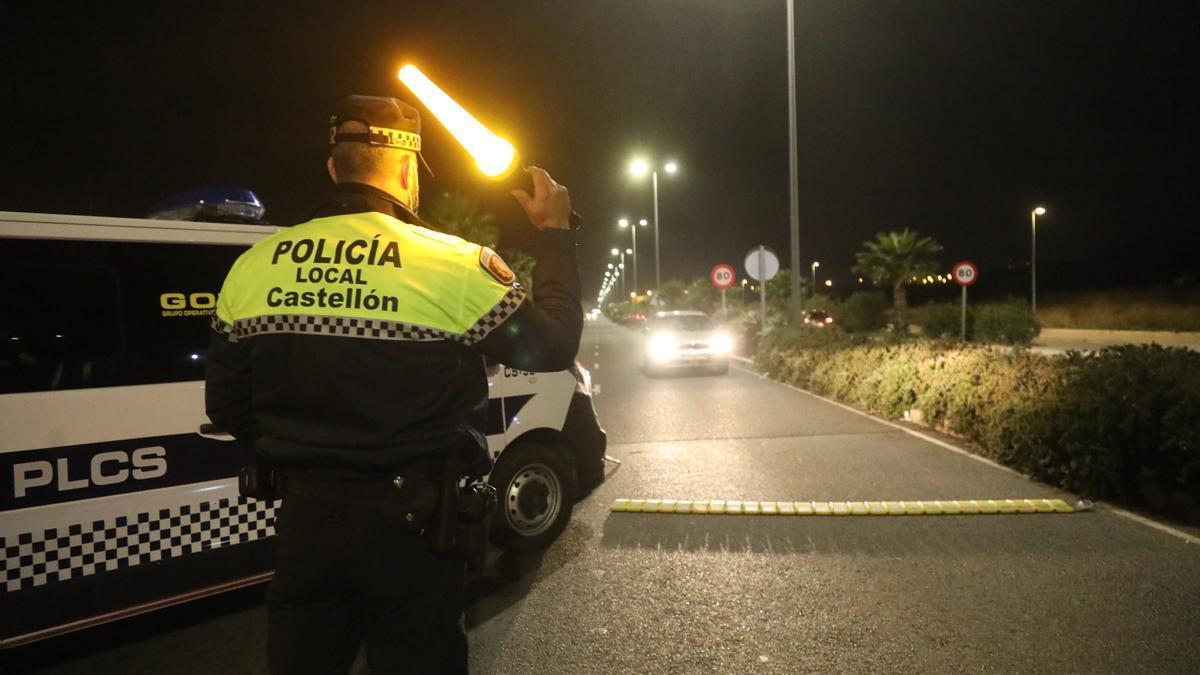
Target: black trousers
[{"x": 345, "y": 576}]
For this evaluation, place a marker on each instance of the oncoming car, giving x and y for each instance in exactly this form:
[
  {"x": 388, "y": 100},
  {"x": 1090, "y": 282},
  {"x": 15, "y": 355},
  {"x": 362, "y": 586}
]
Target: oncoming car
[
  {"x": 117, "y": 496},
  {"x": 685, "y": 340}
]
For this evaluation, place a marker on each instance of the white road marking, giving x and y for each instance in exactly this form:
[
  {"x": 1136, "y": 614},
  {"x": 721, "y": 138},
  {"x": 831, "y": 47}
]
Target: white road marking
[{"x": 1162, "y": 527}]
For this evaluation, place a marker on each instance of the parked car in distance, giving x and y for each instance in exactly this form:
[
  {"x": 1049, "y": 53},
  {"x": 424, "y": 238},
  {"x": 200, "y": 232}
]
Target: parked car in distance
[{"x": 818, "y": 318}]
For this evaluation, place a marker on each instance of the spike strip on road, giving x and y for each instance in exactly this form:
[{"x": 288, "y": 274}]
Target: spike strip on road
[{"x": 936, "y": 507}]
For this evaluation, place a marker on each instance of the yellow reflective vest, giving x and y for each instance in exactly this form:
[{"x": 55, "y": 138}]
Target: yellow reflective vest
[{"x": 367, "y": 275}]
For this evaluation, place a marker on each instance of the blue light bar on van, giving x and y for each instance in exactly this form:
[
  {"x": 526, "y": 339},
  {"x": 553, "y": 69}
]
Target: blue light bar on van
[{"x": 214, "y": 205}]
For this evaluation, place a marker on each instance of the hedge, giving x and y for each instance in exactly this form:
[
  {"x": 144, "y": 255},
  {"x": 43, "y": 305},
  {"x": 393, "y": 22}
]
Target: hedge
[{"x": 1121, "y": 424}]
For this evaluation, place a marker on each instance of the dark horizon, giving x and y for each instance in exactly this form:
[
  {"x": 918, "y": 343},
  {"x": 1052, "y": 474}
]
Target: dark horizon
[{"x": 950, "y": 118}]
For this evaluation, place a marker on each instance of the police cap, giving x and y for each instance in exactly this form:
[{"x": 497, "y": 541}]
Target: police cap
[{"x": 390, "y": 122}]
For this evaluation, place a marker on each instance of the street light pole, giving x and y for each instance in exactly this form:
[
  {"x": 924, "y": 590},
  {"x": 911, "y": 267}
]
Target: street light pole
[
  {"x": 620, "y": 267},
  {"x": 815, "y": 265},
  {"x": 639, "y": 168},
  {"x": 1039, "y": 211},
  {"x": 657, "y": 277},
  {"x": 623, "y": 223},
  {"x": 641, "y": 223},
  {"x": 793, "y": 171}
]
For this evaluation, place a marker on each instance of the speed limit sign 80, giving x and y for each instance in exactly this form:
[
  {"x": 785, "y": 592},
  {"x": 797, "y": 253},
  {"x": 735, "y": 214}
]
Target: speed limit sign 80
[
  {"x": 722, "y": 276},
  {"x": 965, "y": 273}
]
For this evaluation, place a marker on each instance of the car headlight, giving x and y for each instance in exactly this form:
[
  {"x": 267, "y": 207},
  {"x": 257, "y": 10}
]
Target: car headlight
[
  {"x": 662, "y": 346},
  {"x": 721, "y": 343}
]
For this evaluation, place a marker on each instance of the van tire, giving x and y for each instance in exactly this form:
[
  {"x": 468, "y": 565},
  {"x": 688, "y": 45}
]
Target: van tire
[{"x": 536, "y": 491}]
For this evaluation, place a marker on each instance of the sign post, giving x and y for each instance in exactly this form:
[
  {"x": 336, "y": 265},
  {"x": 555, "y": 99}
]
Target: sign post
[
  {"x": 762, "y": 264},
  {"x": 722, "y": 276},
  {"x": 965, "y": 273}
]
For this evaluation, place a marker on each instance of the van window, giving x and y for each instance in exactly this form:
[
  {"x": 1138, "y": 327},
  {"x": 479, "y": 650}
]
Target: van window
[{"x": 82, "y": 314}]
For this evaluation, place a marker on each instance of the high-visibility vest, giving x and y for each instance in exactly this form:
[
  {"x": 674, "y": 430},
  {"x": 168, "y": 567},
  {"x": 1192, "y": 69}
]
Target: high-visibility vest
[{"x": 367, "y": 275}]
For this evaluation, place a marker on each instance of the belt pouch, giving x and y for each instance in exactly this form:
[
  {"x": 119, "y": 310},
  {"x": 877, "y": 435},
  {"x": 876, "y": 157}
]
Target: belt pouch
[{"x": 411, "y": 501}]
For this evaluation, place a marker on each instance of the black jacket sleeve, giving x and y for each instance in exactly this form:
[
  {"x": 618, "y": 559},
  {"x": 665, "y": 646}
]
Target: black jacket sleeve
[
  {"x": 227, "y": 390},
  {"x": 543, "y": 334}
]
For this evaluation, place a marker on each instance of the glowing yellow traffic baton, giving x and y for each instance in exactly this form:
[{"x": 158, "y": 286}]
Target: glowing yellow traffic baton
[{"x": 495, "y": 157}]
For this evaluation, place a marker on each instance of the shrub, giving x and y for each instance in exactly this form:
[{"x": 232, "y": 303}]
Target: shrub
[
  {"x": 1118, "y": 424},
  {"x": 1125, "y": 425},
  {"x": 1009, "y": 323},
  {"x": 946, "y": 321},
  {"x": 863, "y": 312}
]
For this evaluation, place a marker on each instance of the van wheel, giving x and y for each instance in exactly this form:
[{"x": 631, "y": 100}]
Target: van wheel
[{"x": 536, "y": 491}]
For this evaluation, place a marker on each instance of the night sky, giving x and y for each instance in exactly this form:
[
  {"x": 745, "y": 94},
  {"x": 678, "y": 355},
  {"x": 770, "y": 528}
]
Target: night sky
[{"x": 951, "y": 117}]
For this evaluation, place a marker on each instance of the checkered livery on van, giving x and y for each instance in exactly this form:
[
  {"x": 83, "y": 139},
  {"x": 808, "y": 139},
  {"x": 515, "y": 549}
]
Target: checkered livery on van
[{"x": 60, "y": 554}]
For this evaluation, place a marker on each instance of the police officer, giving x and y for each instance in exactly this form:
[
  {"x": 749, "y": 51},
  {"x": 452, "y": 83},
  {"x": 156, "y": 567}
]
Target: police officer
[{"x": 350, "y": 349}]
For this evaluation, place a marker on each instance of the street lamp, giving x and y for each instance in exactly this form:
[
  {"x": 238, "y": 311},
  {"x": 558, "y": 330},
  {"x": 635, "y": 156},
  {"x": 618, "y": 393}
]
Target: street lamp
[
  {"x": 639, "y": 167},
  {"x": 815, "y": 265},
  {"x": 1039, "y": 211},
  {"x": 620, "y": 266},
  {"x": 623, "y": 223}
]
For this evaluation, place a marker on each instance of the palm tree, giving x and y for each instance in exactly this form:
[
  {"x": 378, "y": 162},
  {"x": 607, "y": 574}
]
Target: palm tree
[
  {"x": 896, "y": 259},
  {"x": 458, "y": 214}
]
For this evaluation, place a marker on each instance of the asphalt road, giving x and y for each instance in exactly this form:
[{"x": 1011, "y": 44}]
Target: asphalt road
[{"x": 1088, "y": 592}]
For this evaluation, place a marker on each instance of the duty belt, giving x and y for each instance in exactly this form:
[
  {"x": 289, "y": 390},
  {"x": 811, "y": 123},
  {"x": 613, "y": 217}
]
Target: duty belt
[
  {"x": 365, "y": 491},
  {"x": 409, "y": 497}
]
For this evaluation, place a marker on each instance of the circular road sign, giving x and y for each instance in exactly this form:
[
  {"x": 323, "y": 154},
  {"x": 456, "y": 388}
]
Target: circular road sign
[
  {"x": 965, "y": 273},
  {"x": 769, "y": 260},
  {"x": 722, "y": 276}
]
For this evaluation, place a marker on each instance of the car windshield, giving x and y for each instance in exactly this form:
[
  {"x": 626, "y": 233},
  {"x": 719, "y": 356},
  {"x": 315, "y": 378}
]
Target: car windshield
[{"x": 690, "y": 322}]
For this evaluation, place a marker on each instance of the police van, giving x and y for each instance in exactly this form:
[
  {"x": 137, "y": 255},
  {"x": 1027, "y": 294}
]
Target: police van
[{"x": 116, "y": 496}]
